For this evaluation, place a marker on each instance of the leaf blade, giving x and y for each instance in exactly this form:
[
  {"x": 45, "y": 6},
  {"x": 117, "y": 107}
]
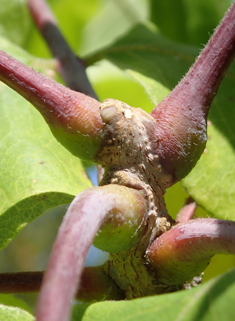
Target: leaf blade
[{"x": 8, "y": 313}]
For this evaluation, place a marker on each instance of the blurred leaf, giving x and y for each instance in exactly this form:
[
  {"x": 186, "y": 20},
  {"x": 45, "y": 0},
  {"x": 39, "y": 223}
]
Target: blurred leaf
[
  {"x": 210, "y": 301},
  {"x": 154, "y": 61},
  {"x": 158, "y": 64},
  {"x": 15, "y": 22},
  {"x": 113, "y": 19},
  {"x": 78, "y": 311},
  {"x": 169, "y": 13},
  {"x": 14, "y": 314},
  {"x": 37, "y": 173},
  {"x": 12, "y": 301},
  {"x": 219, "y": 264},
  {"x": 188, "y": 21},
  {"x": 111, "y": 82}
]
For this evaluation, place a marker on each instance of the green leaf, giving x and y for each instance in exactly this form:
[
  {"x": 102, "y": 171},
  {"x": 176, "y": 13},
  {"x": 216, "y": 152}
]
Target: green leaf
[
  {"x": 188, "y": 21},
  {"x": 112, "y": 20},
  {"x": 15, "y": 22},
  {"x": 78, "y": 311},
  {"x": 109, "y": 81},
  {"x": 152, "y": 60},
  {"x": 14, "y": 314},
  {"x": 7, "y": 299},
  {"x": 37, "y": 173},
  {"x": 158, "y": 64},
  {"x": 213, "y": 300}
]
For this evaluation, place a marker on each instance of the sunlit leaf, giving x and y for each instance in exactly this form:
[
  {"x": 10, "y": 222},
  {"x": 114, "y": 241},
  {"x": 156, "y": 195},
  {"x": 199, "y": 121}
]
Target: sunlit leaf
[
  {"x": 15, "y": 22},
  {"x": 10, "y": 300},
  {"x": 8, "y": 313},
  {"x": 112, "y": 20}
]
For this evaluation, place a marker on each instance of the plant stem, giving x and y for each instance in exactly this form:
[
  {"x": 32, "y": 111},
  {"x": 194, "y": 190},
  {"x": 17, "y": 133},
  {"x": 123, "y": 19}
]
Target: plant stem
[
  {"x": 95, "y": 284},
  {"x": 187, "y": 211},
  {"x": 70, "y": 67},
  {"x": 73, "y": 117},
  {"x": 20, "y": 282},
  {"x": 82, "y": 221},
  {"x": 181, "y": 116},
  {"x": 185, "y": 251}
]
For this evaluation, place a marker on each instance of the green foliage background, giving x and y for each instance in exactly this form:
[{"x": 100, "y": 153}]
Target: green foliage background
[{"x": 137, "y": 51}]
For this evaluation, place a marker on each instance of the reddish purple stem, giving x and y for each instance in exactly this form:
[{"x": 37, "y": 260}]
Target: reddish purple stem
[
  {"x": 95, "y": 284},
  {"x": 187, "y": 211},
  {"x": 20, "y": 282},
  {"x": 70, "y": 67},
  {"x": 185, "y": 251},
  {"x": 73, "y": 117},
  {"x": 82, "y": 221},
  {"x": 46, "y": 94},
  {"x": 181, "y": 116}
]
